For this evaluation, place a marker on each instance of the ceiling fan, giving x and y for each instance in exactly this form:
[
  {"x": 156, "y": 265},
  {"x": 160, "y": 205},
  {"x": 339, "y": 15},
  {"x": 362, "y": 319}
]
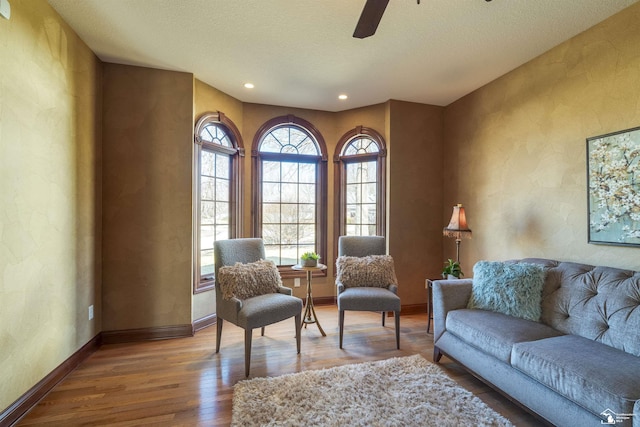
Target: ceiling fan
[{"x": 370, "y": 18}]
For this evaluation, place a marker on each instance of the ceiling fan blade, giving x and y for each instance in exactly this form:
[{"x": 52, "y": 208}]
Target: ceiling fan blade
[{"x": 370, "y": 18}]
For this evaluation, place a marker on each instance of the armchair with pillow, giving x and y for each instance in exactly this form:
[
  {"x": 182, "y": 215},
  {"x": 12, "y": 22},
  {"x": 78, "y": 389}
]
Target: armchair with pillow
[
  {"x": 249, "y": 291},
  {"x": 366, "y": 279}
]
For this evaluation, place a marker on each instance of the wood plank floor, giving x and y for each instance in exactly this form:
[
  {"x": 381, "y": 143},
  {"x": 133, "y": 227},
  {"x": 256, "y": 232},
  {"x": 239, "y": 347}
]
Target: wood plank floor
[{"x": 183, "y": 382}]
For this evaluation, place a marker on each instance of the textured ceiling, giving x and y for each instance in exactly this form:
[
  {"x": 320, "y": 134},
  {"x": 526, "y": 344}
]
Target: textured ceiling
[{"x": 301, "y": 53}]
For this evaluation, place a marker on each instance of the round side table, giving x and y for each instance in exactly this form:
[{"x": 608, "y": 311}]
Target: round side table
[{"x": 309, "y": 315}]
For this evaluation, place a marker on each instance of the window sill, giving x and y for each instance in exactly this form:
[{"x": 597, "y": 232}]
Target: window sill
[{"x": 204, "y": 286}]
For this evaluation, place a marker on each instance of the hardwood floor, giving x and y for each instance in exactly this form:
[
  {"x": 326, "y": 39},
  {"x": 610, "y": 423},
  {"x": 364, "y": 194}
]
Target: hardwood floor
[{"x": 183, "y": 382}]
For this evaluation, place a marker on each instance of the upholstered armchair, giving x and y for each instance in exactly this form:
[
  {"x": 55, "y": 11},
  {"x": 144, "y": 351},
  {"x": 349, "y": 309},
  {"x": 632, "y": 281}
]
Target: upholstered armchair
[
  {"x": 366, "y": 283},
  {"x": 236, "y": 286}
]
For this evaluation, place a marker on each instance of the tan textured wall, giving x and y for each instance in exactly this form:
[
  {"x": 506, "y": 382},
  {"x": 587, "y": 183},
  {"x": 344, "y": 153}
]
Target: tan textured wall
[
  {"x": 415, "y": 196},
  {"x": 372, "y": 116},
  {"x": 207, "y": 98},
  {"x": 49, "y": 195},
  {"x": 147, "y": 215},
  {"x": 516, "y": 148}
]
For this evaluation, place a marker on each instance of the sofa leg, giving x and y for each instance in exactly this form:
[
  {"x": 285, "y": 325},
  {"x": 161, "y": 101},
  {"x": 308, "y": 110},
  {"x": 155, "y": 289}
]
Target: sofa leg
[
  {"x": 383, "y": 316},
  {"x": 436, "y": 354}
]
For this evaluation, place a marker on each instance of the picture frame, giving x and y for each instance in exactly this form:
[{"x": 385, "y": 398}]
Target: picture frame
[{"x": 613, "y": 188}]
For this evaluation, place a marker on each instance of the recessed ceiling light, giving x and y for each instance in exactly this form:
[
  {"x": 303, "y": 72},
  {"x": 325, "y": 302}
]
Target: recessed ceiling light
[
  {"x": 342, "y": 97},
  {"x": 249, "y": 85}
]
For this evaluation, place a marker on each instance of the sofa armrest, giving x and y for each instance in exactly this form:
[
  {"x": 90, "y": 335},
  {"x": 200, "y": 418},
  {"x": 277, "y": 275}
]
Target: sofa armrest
[
  {"x": 340, "y": 287},
  {"x": 448, "y": 295},
  {"x": 284, "y": 290}
]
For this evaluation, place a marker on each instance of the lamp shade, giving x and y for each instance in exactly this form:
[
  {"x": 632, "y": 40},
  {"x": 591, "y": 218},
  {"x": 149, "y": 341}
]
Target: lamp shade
[{"x": 457, "y": 227}]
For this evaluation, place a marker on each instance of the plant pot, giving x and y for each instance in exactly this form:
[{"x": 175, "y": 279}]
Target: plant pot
[{"x": 309, "y": 262}]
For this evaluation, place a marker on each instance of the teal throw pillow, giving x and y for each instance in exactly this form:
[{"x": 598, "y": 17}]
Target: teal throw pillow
[{"x": 509, "y": 288}]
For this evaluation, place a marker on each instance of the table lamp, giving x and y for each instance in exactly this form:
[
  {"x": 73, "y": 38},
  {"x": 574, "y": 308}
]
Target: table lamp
[{"x": 457, "y": 228}]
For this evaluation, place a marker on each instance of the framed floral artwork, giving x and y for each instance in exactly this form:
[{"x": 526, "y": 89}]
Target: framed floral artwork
[{"x": 613, "y": 179}]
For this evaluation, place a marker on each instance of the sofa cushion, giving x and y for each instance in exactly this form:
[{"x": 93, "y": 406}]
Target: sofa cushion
[
  {"x": 495, "y": 333},
  {"x": 593, "y": 375},
  {"x": 599, "y": 303},
  {"x": 244, "y": 281},
  {"x": 369, "y": 271},
  {"x": 509, "y": 288}
]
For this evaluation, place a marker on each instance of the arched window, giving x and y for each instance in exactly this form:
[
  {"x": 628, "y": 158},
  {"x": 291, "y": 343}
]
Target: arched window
[
  {"x": 360, "y": 177},
  {"x": 289, "y": 161},
  {"x": 218, "y": 210}
]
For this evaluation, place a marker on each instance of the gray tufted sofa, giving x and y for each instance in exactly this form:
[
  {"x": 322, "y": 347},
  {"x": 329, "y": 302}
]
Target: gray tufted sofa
[{"x": 578, "y": 366}]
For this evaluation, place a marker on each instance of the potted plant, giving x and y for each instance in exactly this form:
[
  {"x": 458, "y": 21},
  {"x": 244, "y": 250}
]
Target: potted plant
[
  {"x": 451, "y": 270},
  {"x": 309, "y": 259}
]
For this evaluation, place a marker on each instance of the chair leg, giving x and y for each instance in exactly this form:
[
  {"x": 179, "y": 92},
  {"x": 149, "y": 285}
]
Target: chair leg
[
  {"x": 383, "y": 316},
  {"x": 341, "y": 323},
  {"x": 218, "y": 333},
  {"x": 247, "y": 350},
  {"x": 298, "y": 321},
  {"x": 397, "y": 316},
  {"x": 262, "y": 331}
]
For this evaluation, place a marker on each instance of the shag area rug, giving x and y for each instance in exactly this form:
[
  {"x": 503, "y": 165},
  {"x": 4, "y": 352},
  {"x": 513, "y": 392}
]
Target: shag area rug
[{"x": 402, "y": 391}]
